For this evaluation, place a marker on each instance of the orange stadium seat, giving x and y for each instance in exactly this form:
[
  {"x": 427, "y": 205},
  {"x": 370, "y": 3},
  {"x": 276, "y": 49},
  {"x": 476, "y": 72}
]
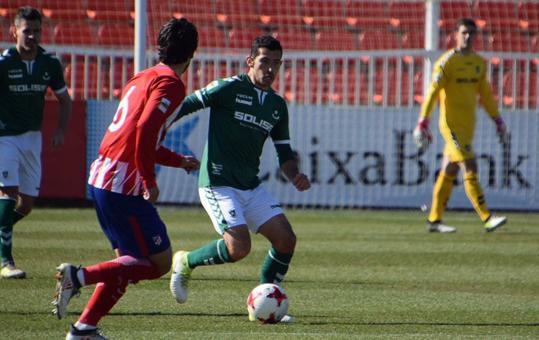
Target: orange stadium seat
[
  {"x": 69, "y": 33},
  {"x": 336, "y": 40},
  {"x": 366, "y": 15},
  {"x": 115, "y": 34},
  {"x": 407, "y": 15},
  {"x": 80, "y": 76},
  {"x": 528, "y": 14},
  {"x": 201, "y": 13},
  {"x": 294, "y": 39},
  {"x": 323, "y": 14}
]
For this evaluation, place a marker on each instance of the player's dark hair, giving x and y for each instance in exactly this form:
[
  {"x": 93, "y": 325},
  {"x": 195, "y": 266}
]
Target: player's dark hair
[
  {"x": 27, "y": 13},
  {"x": 266, "y": 41},
  {"x": 177, "y": 41},
  {"x": 466, "y": 22}
]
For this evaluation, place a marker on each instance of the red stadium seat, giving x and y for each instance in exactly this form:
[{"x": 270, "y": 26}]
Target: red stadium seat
[
  {"x": 451, "y": 11},
  {"x": 64, "y": 10},
  {"x": 496, "y": 15},
  {"x": 201, "y": 13},
  {"x": 237, "y": 13},
  {"x": 68, "y": 33},
  {"x": 528, "y": 15},
  {"x": 211, "y": 37},
  {"x": 275, "y": 13},
  {"x": 323, "y": 14},
  {"x": 413, "y": 39},
  {"x": 508, "y": 41},
  {"x": 111, "y": 10},
  {"x": 407, "y": 15},
  {"x": 78, "y": 87},
  {"x": 295, "y": 39},
  {"x": 336, "y": 40},
  {"x": 378, "y": 40},
  {"x": 239, "y": 38},
  {"x": 116, "y": 34},
  {"x": 366, "y": 15}
]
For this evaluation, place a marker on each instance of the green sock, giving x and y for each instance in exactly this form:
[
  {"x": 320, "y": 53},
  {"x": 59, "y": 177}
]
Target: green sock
[
  {"x": 214, "y": 252},
  {"x": 6, "y": 229},
  {"x": 17, "y": 216},
  {"x": 275, "y": 267}
]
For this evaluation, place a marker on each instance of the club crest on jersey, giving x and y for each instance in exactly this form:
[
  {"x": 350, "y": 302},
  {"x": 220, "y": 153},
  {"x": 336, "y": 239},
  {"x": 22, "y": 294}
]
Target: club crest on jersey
[
  {"x": 163, "y": 106},
  {"x": 14, "y": 74},
  {"x": 46, "y": 76},
  {"x": 275, "y": 114},
  {"x": 157, "y": 240},
  {"x": 244, "y": 99}
]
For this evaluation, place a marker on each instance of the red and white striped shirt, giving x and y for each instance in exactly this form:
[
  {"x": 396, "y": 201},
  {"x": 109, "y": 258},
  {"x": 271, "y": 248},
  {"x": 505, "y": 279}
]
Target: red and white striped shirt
[{"x": 132, "y": 143}]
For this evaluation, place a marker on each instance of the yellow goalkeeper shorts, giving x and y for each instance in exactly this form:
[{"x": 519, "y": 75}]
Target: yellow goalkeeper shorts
[{"x": 457, "y": 148}]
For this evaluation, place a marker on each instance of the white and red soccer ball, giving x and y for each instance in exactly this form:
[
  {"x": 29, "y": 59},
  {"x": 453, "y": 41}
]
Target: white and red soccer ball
[{"x": 267, "y": 303}]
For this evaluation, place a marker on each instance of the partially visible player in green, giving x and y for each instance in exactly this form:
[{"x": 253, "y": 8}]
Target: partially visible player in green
[
  {"x": 245, "y": 111},
  {"x": 459, "y": 76},
  {"x": 26, "y": 71}
]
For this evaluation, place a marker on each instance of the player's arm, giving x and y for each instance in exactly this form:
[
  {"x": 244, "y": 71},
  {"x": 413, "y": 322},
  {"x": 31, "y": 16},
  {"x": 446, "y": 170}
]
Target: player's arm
[
  {"x": 202, "y": 98},
  {"x": 59, "y": 87},
  {"x": 490, "y": 106},
  {"x": 149, "y": 126},
  {"x": 288, "y": 159},
  {"x": 422, "y": 135}
]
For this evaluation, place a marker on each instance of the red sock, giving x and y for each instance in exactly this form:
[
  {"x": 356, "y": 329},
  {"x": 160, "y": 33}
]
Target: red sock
[
  {"x": 105, "y": 296},
  {"x": 124, "y": 267},
  {"x": 112, "y": 278}
]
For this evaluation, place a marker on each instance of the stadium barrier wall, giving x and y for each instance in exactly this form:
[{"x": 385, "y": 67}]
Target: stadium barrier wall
[
  {"x": 63, "y": 169},
  {"x": 361, "y": 157}
]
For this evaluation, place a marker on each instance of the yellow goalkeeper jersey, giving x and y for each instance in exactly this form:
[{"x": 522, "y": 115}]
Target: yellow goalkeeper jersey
[{"x": 457, "y": 79}]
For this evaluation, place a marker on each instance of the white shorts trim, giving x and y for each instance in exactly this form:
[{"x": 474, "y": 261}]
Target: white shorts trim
[
  {"x": 20, "y": 163},
  {"x": 229, "y": 207}
]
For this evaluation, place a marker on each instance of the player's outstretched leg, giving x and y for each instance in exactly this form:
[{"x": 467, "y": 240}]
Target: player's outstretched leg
[{"x": 67, "y": 286}]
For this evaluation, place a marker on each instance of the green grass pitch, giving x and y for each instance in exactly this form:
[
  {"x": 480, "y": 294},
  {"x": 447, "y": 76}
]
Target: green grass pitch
[{"x": 355, "y": 274}]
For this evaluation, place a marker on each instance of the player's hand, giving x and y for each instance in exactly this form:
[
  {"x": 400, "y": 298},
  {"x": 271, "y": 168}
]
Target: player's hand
[
  {"x": 151, "y": 195},
  {"x": 501, "y": 130},
  {"x": 301, "y": 182},
  {"x": 190, "y": 163},
  {"x": 58, "y": 138},
  {"x": 422, "y": 135}
]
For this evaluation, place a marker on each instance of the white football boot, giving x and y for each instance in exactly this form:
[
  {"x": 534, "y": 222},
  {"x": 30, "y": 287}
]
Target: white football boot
[
  {"x": 67, "y": 286},
  {"x": 9, "y": 271},
  {"x": 494, "y": 222},
  {"x": 181, "y": 273},
  {"x": 439, "y": 227}
]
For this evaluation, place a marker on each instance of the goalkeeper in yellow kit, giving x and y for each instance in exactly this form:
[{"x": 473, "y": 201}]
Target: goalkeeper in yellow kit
[{"x": 459, "y": 76}]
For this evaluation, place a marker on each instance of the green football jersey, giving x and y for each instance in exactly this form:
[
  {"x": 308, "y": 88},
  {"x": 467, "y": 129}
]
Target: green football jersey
[
  {"x": 242, "y": 116},
  {"x": 23, "y": 85}
]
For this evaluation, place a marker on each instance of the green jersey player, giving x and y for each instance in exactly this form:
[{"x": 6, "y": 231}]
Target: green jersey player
[
  {"x": 26, "y": 72},
  {"x": 244, "y": 112}
]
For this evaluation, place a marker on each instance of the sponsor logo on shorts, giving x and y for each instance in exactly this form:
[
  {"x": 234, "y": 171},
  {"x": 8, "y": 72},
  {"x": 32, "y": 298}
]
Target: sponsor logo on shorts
[
  {"x": 157, "y": 240},
  {"x": 273, "y": 206},
  {"x": 232, "y": 213}
]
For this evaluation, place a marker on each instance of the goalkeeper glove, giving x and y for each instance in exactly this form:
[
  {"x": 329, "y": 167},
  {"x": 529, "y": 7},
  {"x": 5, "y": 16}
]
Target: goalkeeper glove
[
  {"x": 501, "y": 130},
  {"x": 422, "y": 135}
]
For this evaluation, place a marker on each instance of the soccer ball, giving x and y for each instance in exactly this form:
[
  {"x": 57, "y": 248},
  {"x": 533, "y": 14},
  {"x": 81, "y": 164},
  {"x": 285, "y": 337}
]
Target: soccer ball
[{"x": 267, "y": 303}]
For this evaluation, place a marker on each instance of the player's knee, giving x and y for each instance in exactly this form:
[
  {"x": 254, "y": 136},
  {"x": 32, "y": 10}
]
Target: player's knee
[
  {"x": 239, "y": 250},
  {"x": 286, "y": 243}
]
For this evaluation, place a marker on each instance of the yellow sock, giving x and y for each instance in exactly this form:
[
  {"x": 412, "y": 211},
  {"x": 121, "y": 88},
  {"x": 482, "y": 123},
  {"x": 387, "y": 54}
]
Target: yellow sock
[
  {"x": 440, "y": 196},
  {"x": 475, "y": 195}
]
